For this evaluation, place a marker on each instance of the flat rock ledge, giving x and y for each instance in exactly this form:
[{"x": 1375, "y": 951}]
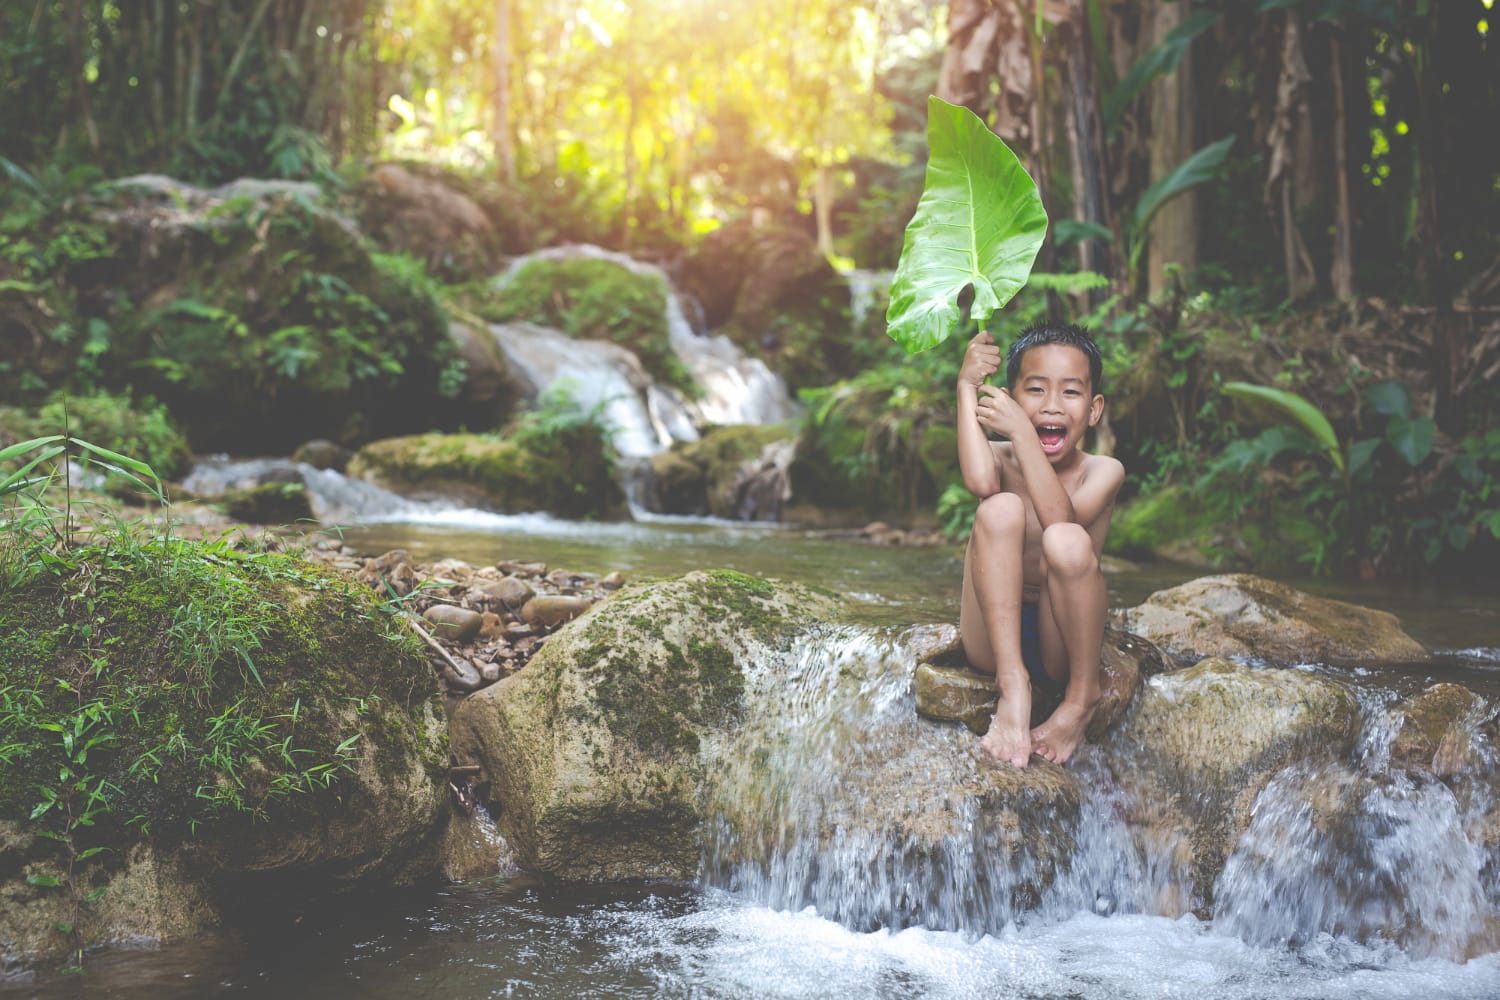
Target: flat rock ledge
[
  {"x": 947, "y": 690},
  {"x": 1239, "y": 616}
]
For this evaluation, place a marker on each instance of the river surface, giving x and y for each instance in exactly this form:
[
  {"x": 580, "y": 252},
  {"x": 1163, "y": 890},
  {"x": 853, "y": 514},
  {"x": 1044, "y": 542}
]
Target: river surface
[{"x": 511, "y": 935}]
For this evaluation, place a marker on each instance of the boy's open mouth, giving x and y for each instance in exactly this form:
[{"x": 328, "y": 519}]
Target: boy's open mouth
[{"x": 1051, "y": 437}]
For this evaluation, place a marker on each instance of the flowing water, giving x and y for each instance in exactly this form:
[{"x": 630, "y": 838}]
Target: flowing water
[{"x": 824, "y": 873}]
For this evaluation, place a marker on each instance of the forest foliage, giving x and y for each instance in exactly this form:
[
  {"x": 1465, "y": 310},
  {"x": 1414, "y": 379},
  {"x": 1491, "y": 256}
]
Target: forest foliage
[{"x": 1302, "y": 194}]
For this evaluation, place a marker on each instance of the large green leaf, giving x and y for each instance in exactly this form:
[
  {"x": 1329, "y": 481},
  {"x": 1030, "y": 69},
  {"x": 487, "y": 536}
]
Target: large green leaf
[
  {"x": 1197, "y": 169},
  {"x": 980, "y": 222},
  {"x": 1299, "y": 409}
]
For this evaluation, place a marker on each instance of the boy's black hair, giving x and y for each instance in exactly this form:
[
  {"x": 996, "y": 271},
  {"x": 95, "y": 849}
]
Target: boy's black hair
[{"x": 1041, "y": 334}]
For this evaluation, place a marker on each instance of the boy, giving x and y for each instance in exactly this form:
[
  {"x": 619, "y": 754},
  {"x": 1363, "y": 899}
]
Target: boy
[{"x": 1033, "y": 596}]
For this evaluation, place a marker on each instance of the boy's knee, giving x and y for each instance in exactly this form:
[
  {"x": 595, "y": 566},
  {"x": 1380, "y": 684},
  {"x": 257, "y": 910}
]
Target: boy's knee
[
  {"x": 1067, "y": 549},
  {"x": 1000, "y": 512}
]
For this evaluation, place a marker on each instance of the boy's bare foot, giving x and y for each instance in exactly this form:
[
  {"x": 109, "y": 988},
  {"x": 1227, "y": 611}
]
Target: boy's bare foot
[
  {"x": 1062, "y": 733},
  {"x": 1009, "y": 738}
]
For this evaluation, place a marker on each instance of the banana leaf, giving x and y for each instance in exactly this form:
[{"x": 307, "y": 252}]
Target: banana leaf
[
  {"x": 979, "y": 222},
  {"x": 1297, "y": 408}
]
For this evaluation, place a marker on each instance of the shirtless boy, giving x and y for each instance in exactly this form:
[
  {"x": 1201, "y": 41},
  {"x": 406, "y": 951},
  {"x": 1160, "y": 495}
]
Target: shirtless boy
[{"x": 1033, "y": 598}]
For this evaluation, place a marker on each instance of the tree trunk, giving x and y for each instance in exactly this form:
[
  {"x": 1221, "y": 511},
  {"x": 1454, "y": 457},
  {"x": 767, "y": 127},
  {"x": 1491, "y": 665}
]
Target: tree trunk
[
  {"x": 1174, "y": 232},
  {"x": 1085, "y": 143},
  {"x": 505, "y": 154},
  {"x": 1291, "y": 124},
  {"x": 823, "y": 207},
  {"x": 1342, "y": 273},
  {"x": 79, "y": 45}
]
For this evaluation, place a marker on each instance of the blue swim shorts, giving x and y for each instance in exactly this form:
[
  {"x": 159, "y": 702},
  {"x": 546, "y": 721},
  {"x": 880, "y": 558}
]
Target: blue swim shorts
[{"x": 1031, "y": 645}]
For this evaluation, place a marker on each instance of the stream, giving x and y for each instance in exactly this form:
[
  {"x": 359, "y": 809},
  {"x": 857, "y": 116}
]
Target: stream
[{"x": 812, "y": 926}]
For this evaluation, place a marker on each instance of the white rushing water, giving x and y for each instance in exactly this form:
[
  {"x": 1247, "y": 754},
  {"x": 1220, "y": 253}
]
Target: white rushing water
[{"x": 647, "y": 418}]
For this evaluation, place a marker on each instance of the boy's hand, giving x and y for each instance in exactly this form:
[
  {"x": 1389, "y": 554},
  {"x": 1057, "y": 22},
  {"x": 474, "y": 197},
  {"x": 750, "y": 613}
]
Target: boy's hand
[
  {"x": 981, "y": 360},
  {"x": 999, "y": 412}
]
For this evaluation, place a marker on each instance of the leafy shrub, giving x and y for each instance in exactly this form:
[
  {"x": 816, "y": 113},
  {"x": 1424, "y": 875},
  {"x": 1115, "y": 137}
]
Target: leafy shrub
[{"x": 144, "y": 429}]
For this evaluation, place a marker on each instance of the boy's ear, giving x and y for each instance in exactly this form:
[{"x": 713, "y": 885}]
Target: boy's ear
[{"x": 1096, "y": 409}]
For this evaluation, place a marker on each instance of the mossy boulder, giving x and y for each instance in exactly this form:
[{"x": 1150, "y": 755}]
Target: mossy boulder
[
  {"x": 565, "y": 472},
  {"x": 1241, "y": 616},
  {"x": 775, "y": 295},
  {"x": 874, "y": 446},
  {"x": 238, "y": 728},
  {"x": 1175, "y": 523},
  {"x": 258, "y": 315},
  {"x": 595, "y": 297},
  {"x": 731, "y": 472},
  {"x": 425, "y": 214},
  {"x": 1200, "y": 744},
  {"x": 592, "y": 754},
  {"x": 269, "y": 503}
]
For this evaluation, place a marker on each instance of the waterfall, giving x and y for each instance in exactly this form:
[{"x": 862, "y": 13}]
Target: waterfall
[
  {"x": 835, "y": 795},
  {"x": 736, "y": 389},
  {"x": 866, "y": 290},
  {"x": 334, "y": 497}
]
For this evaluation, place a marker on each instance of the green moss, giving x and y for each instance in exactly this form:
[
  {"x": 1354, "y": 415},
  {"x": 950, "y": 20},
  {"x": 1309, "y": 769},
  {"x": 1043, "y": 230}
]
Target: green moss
[
  {"x": 216, "y": 687},
  {"x": 597, "y": 300},
  {"x": 566, "y": 473}
]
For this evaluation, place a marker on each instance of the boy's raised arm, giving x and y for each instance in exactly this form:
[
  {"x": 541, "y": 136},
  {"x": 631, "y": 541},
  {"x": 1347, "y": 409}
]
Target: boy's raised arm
[{"x": 976, "y": 459}]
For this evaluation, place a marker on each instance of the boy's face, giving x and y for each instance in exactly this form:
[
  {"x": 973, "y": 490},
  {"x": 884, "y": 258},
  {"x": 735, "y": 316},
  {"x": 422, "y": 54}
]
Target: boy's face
[{"x": 1053, "y": 388}]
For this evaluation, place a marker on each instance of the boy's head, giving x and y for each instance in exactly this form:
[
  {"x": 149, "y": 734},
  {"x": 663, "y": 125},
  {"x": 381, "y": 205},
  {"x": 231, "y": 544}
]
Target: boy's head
[{"x": 1065, "y": 334}]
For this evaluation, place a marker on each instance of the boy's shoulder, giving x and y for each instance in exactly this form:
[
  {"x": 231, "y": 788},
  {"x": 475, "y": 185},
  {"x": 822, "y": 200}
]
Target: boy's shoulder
[{"x": 1102, "y": 467}]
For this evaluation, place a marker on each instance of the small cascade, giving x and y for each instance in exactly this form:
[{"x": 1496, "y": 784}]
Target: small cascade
[
  {"x": 835, "y": 795},
  {"x": 334, "y": 497},
  {"x": 600, "y": 377},
  {"x": 1363, "y": 856},
  {"x": 736, "y": 389},
  {"x": 867, "y": 289}
]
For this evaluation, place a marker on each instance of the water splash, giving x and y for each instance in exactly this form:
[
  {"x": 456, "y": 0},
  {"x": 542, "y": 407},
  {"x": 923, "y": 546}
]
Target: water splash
[{"x": 334, "y": 497}]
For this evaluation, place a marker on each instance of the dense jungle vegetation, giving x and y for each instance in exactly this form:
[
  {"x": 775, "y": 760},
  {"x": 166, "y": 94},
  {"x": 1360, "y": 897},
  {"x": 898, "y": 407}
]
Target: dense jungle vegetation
[{"x": 1295, "y": 194}]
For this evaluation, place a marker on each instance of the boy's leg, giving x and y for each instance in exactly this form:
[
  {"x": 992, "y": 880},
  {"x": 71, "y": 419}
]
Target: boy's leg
[
  {"x": 1072, "y": 631},
  {"x": 990, "y": 621}
]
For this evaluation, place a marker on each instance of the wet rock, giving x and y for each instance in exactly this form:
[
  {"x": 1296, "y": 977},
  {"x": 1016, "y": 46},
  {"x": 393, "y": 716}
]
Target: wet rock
[
  {"x": 1439, "y": 728},
  {"x": 954, "y": 692},
  {"x": 1240, "y": 616},
  {"x": 735, "y": 472},
  {"x": 547, "y": 611},
  {"x": 491, "y": 389},
  {"x": 491, "y": 672},
  {"x": 569, "y": 579},
  {"x": 321, "y": 453},
  {"x": 593, "y": 748},
  {"x": 428, "y": 216},
  {"x": 1202, "y": 742},
  {"x": 612, "y": 581},
  {"x": 271, "y": 503},
  {"x": 453, "y": 624},
  {"x": 514, "y": 568}
]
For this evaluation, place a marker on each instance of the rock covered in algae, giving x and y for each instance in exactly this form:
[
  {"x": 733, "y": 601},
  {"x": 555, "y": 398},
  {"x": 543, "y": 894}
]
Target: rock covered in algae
[
  {"x": 1241, "y": 616},
  {"x": 1439, "y": 728},
  {"x": 1201, "y": 743},
  {"x": 946, "y": 688},
  {"x": 592, "y": 752},
  {"x": 329, "y": 776}
]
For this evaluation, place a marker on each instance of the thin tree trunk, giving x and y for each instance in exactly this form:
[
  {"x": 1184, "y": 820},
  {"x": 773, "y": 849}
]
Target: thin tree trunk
[
  {"x": 1342, "y": 276},
  {"x": 1174, "y": 232},
  {"x": 505, "y": 154},
  {"x": 823, "y": 207},
  {"x": 1085, "y": 143},
  {"x": 79, "y": 46},
  {"x": 1281, "y": 184}
]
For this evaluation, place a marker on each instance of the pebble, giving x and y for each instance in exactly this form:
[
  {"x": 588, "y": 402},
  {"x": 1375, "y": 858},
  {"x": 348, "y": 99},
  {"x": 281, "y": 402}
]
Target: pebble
[
  {"x": 551, "y": 610},
  {"x": 451, "y": 569},
  {"x": 613, "y": 580},
  {"x": 510, "y": 591},
  {"x": 453, "y": 624},
  {"x": 521, "y": 568},
  {"x": 466, "y": 677},
  {"x": 490, "y": 672}
]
